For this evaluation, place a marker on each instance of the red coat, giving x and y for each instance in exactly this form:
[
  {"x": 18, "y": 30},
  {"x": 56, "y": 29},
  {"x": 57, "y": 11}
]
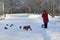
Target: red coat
[{"x": 45, "y": 17}]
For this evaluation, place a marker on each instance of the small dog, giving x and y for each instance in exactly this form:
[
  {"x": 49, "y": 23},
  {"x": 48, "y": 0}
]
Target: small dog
[{"x": 26, "y": 27}]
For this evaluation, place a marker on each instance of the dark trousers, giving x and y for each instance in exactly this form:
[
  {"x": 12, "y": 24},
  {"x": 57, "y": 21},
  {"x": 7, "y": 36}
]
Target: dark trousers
[{"x": 45, "y": 24}]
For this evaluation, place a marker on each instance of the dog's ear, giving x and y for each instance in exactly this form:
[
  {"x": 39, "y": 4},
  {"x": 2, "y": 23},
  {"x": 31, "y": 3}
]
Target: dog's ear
[{"x": 20, "y": 27}]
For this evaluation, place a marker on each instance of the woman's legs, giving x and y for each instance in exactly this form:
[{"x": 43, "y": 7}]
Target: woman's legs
[{"x": 45, "y": 24}]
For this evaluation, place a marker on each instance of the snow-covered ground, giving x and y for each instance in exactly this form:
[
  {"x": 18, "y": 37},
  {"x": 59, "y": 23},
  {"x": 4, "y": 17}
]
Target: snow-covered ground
[{"x": 35, "y": 21}]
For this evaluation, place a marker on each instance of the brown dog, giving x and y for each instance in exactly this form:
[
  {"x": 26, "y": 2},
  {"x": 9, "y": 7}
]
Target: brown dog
[{"x": 27, "y": 27}]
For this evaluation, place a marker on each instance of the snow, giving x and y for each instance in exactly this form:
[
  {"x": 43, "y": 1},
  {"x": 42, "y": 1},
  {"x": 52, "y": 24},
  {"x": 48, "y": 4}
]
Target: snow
[
  {"x": 35, "y": 21},
  {"x": 34, "y": 16}
]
